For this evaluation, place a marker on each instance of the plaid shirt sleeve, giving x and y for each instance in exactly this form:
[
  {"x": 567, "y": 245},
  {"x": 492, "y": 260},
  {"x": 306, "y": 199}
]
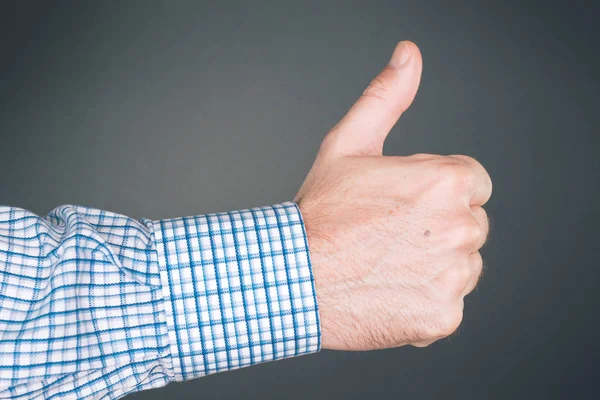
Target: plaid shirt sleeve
[{"x": 94, "y": 304}]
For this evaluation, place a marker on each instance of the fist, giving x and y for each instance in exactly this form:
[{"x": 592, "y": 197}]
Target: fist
[{"x": 394, "y": 240}]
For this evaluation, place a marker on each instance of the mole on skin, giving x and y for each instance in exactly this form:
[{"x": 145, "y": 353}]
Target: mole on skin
[{"x": 427, "y": 233}]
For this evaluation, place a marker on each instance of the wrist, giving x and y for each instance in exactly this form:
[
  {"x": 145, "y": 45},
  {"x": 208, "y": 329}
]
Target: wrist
[{"x": 324, "y": 278}]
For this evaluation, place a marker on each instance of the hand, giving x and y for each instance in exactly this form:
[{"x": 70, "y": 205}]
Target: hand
[{"x": 394, "y": 240}]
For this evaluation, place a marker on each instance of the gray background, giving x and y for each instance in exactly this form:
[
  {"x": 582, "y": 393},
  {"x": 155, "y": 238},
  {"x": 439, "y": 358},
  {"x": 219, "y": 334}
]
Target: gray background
[{"x": 179, "y": 108}]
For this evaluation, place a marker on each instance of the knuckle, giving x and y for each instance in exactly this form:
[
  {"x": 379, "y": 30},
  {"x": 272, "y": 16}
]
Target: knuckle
[
  {"x": 480, "y": 213},
  {"x": 468, "y": 231},
  {"x": 476, "y": 168},
  {"x": 470, "y": 162},
  {"x": 454, "y": 174},
  {"x": 488, "y": 180},
  {"x": 484, "y": 226},
  {"x": 453, "y": 282},
  {"x": 464, "y": 159},
  {"x": 428, "y": 334},
  {"x": 475, "y": 232},
  {"x": 449, "y": 322},
  {"x": 477, "y": 262},
  {"x": 463, "y": 276},
  {"x": 377, "y": 89}
]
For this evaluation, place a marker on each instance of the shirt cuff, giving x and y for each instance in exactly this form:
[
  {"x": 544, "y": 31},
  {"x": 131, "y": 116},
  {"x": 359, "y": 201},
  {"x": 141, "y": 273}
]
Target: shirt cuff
[{"x": 238, "y": 289}]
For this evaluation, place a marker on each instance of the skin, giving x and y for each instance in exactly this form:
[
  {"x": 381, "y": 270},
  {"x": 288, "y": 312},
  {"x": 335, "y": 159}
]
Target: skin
[{"x": 394, "y": 240}]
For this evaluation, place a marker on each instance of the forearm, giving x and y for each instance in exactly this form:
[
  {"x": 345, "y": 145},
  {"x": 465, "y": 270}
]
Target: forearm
[{"x": 94, "y": 303}]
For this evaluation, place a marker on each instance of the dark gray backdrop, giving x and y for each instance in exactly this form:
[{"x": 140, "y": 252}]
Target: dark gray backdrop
[{"x": 177, "y": 108}]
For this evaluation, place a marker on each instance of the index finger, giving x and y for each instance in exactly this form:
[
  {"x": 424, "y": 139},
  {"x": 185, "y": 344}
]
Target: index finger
[{"x": 482, "y": 188}]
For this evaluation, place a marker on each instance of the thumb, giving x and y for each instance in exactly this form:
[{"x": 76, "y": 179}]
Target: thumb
[{"x": 364, "y": 128}]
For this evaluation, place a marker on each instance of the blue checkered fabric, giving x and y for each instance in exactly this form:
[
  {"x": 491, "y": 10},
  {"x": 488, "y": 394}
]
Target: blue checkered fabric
[{"x": 95, "y": 305}]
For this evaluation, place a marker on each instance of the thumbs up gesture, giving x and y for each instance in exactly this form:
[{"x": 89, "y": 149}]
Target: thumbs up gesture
[{"x": 394, "y": 241}]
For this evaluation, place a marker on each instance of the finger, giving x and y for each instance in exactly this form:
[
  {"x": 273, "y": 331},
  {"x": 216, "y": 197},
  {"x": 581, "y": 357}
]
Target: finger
[
  {"x": 364, "y": 128},
  {"x": 476, "y": 266},
  {"x": 482, "y": 220},
  {"x": 482, "y": 183}
]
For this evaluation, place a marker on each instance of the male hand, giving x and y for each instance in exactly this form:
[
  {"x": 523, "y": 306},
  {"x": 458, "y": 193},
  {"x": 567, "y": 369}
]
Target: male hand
[{"x": 394, "y": 240}]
